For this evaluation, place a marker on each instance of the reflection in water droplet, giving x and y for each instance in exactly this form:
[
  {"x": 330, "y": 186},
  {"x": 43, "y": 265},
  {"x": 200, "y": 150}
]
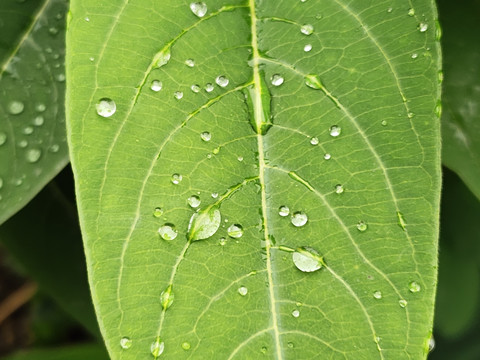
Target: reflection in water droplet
[
  {"x": 3, "y": 138},
  {"x": 422, "y": 27},
  {"x": 199, "y": 8},
  {"x": 156, "y": 85},
  {"x": 205, "y": 136},
  {"x": 335, "y": 130},
  {"x": 235, "y": 231},
  {"x": 222, "y": 81},
  {"x": 168, "y": 232},
  {"x": 307, "y": 47},
  {"x": 158, "y": 212},
  {"x": 402, "y": 303},
  {"x": 277, "y": 80},
  {"x": 125, "y": 343},
  {"x": 16, "y": 107},
  {"x": 186, "y": 346},
  {"x": 209, "y": 87},
  {"x": 106, "y": 107},
  {"x": 306, "y": 29},
  {"x": 283, "y": 210},
  {"x": 339, "y": 189},
  {"x": 299, "y": 218},
  {"x": 314, "y": 141},
  {"x": 167, "y": 297},
  {"x": 33, "y": 155},
  {"x": 307, "y": 259},
  {"x": 362, "y": 226},
  {"x": 242, "y": 290},
  {"x": 178, "y": 95},
  {"x": 194, "y": 201},
  {"x": 190, "y": 62},
  {"x": 157, "y": 347},
  {"x": 327, "y": 156},
  {"x": 377, "y": 294},
  {"x": 414, "y": 287},
  {"x": 176, "y": 179},
  {"x": 295, "y": 313}
]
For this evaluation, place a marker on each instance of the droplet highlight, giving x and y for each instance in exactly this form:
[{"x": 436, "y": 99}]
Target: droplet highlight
[{"x": 306, "y": 29}]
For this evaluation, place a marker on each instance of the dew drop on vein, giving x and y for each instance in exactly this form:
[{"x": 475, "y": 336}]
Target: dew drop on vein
[
  {"x": 403, "y": 303},
  {"x": 167, "y": 297},
  {"x": 156, "y": 85},
  {"x": 106, "y": 107},
  {"x": 157, "y": 347},
  {"x": 314, "y": 141},
  {"x": 307, "y": 259},
  {"x": 411, "y": 12},
  {"x": 204, "y": 224},
  {"x": 198, "y": 8},
  {"x": 306, "y": 29},
  {"x": 235, "y": 231},
  {"x": 327, "y": 156},
  {"x": 299, "y": 219},
  {"x": 125, "y": 343},
  {"x": 168, "y": 232}
]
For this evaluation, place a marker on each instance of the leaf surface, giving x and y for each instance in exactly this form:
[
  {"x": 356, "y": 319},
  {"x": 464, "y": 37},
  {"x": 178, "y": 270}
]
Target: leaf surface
[
  {"x": 33, "y": 145},
  {"x": 252, "y": 108}
]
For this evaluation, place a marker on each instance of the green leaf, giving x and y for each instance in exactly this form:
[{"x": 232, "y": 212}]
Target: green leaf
[
  {"x": 33, "y": 145},
  {"x": 77, "y": 352},
  {"x": 461, "y": 90},
  {"x": 308, "y": 125},
  {"x": 45, "y": 239}
]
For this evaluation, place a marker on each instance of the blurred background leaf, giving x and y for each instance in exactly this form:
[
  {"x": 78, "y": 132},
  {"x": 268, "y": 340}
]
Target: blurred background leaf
[
  {"x": 78, "y": 352},
  {"x": 33, "y": 147}
]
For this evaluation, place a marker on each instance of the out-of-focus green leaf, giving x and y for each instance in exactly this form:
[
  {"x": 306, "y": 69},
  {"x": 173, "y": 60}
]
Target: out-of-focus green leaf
[
  {"x": 78, "y": 352},
  {"x": 45, "y": 238},
  {"x": 461, "y": 89},
  {"x": 33, "y": 148}
]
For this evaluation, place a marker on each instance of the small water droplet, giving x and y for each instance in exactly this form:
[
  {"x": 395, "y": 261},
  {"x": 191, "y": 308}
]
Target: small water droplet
[
  {"x": 362, "y": 226},
  {"x": 410, "y": 115},
  {"x": 313, "y": 81},
  {"x": 295, "y": 313},
  {"x": 190, "y": 62},
  {"x": 242, "y": 290},
  {"x": 314, "y": 141},
  {"x": 33, "y": 155},
  {"x": 23, "y": 143},
  {"x": 16, "y": 107},
  {"x": 209, "y": 87},
  {"x": 422, "y": 27},
  {"x": 3, "y": 138},
  {"x": 195, "y": 88},
  {"x": 411, "y": 12},
  {"x": 307, "y": 48},
  {"x": 306, "y": 29},
  {"x": 206, "y": 136},
  {"x": 178, "y": 95},
  {"x": 216, "y": 150},
  {"x": 158, "y": 212},
  {"x": 403, "y": 303},
  {"x": 277, "y": 80},
  {"x": 106, "y": 107},
  {"x": 176, "y": 179},
  {"x": 377, "y": 294},
  {"x": 1, "y": 183},
  {"x": 91, "y": 58},
  {"x": 235, "y": 231},
  {"x": 54, "y": 148},
  {"x": 87, "y": 19},
  {"x": 27, "y": 130},
  {"x": 194, "y": 201},
  {"x": 307, "y": 259},
  {"x": 240, "y": 158},
  {"x": 414, "y": 287},
  {"x": 299, "y": 219},
  {"x": 125, "y": 343},
  {"x": 327, "y": 156},
  {"x": 40, "y": 107},
  {"x": 199, "y": 8},
  {"x": 167, "y": 297},
  {"x": 283, "y": 210},
  {"x": 223, "y": 241},
  {"x": 186, "y": 345},
  {"x": 290, "y": 345},
  {"x": 335, "y": 130},
  {"x": 60, "y": 77},
  {"x": 168, "y": 232},
  {"x": 38, "y": 120},
  {"x": 389, "y": 10},
  {"x": 384, "y": 122},
  {"x": 214, "y": 195},
  {"x": 222, "y": 81},
  {"x": 263, "y": 350},
  {"x": 339, "y": 189},
  {"x": 157, "y": 347},
  {"x": 414, "y": 56},
  {"x": 156, "y": 85}
]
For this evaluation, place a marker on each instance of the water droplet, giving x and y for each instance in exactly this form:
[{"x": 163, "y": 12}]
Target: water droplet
[
  {"x": 362, "y": 226},
  {"x": 299, "y": 219},
  {"x": 313, "y": 81},
  {"x": 190, "y": 62},
  {"x": 327, "y": 156},
  {"x": 240, "y": 158},
  {"x": 335, "y": 130},
  {"x": 307, "y": 48},
  {"x": 186, "y": 346},
  {"x": 23, "y": 143},
  {"x": 414, "y": 287},
  {"x": 431, "y": 344},
  {"x": 125, "y": 343},
  {"x": 195, "y": 88},
  {"x": 414, "y": 56},
  {"x": 216, "y": 150},
  {"x": 377, "y": 294},
  {"x": 242, "y": 290},
  {"x": 16, "y": 107},
  {"x": 440, "y": 76},
  {"x": 167, "y": 297},
  {"x": 223, "y": 241},
  {"x": 178, "y": 95},
  {"x": 314, "y": 141},
  {"x": 176, "y": 179},
  {"x": 168, "y": 232},
  {"x": 277, "y": 80},
  {"x": 295, "y": 313},
  {"x": 194, "y": 201},
  {"x": 209, "y": 87},
  {"x": 106, "y": 107},
  {"x": 306, "y": 29},
  {"x": 263, "y": 350},
  {"x": 162, "y": 57},
  {"x": 91, "y": 58},
  {"x": 422, "y": 27},
  {"x": 290, "y": 345},
  {"x": 222, "y": 81},
  {"x": 3, "y": 138},
  {"x": 235, "y": 231},
  {"x": 307, "y": 259},
  {"x": 438, "y": 31},
  {"x": 283, "y": 210},
  {"x": 389, "y": 10},
  {"x": 33, "y": 155},
  {"x": 38, "y": 120},
  {"x": 402, "y": 303},
  {"x": 40, "y": 107},
  {"x": 384, "y": 122},
  {"x": 204, "y": 224},
  {"x": 410, "y": 115},
  {"x": 1, "y": 183},
  {"x": 87, "y": 19},
  {"x": 214, "y": 195},
  {"x": 156, "y": 85},
  {"x": 158, "y": 212},
  {"x": 206, "y": 136},
  {"x": 411, "y": 12},
  {"x": 27, "y": 130},
  {"x": 60, "y": 77},
  {"x": 54, "y": 148},
  {"x": 157, "y": 347},
  {"x": 199, "y": 8},
  {"x": 339, "y": 189},
  {"x": 438, "y": 109}
]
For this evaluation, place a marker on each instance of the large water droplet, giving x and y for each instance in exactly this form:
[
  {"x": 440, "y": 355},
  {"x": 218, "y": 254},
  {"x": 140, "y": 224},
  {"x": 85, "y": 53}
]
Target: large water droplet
[
  {"x": 204, "y": 224},
  {"x": 33, "y": 155},
  {"x": 156, "y": 85},
  {"x": 125, "y": 343},
  {"x": 3, "y": 138},
  {"x": 313, "y": 81},
  {"x": 106, "y": 107},
  {"x": 162, "y": 57},
  {"x": 16, "y": 107},
  {"x": 277, "y": 80},
  {"x": 168, "y": 232},
  {"x": 176, "y": 179},
  {"x": 199, "y": 9},
  {"x": 414, "y": 287},
  {"x": 194, "y": 201},
  {"x": 242, "y": 290},
  {"x": 299, "y": 218},
  {"x": 157, "y": 347},
  {"x": 283, "y": 210},
  {"x": 235, "y": 231},
  {"x": 306, "y": 29},
  {"x": 335, "y": 130},
  {"x": 307, "y": 259},
  {"x": 205, "y": 136},
  {"x": 167, "y": 297},
  {"x": 362, "y": 226},
  {"x": 222, "y": 81},
  {"x": 295, "y": 313},
  {"x": 377, "y": 294}
]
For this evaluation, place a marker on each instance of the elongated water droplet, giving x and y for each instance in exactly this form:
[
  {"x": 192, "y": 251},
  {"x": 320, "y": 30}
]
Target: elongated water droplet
[
  {"x": 401, "y": 221},
  {"x": 259, "y": 106},
  {"x": 306, "y": 29},
  {"x": 438, "y": 109},
  {"x": 158, "y": 212},
  {"x": 205, "y": 136},
  {"x": 235, "y": 231},
  {"x": 125, "y": 343},
  {"x": 307, "y": 259},
  {"x": 299, "y": 219},
  {"x": 431, "y": 344},
  {"x": 162, "y": 57},
  {"x": 295, "y": 313},
  {"x": 186, "y": 346},
  {"x": 313, "y": 81},
  {"x": 156, "y": 85},
  {"x": 314, "y": 141},
  {"x": 199, "y": 8},
  {"x": 307, "y": 47},
  {"x": 168, "y": 232},
  {"x": 283, "y": 210},
  {"x": 339, "y": 189},
  {"x": 335, "y": 130},
  {"x": 190, "y": 62},
  {"x": 403, "y": 303},
  {"x": 222, "y": 81},
  {"x": 362, "y": 226},
  {"x": 377, "y": 294},
  {"x": 194, "y": 201},
  {"x": 106, "y": 107},
  {"x": 16, "y": 107},
  {"x": 157, "y": 347},
  {"x": 3, "y": 138},
  {"x": 33, "y": 155},
  {"x": 242, "y": 290},
  {"x": 277, "y": 80},
  {"x": 176, "y": 179},
  {"x": 167, "y": 297},
  {"x": 204, "y": 224},
  {"x": 414, "y": 287}
]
